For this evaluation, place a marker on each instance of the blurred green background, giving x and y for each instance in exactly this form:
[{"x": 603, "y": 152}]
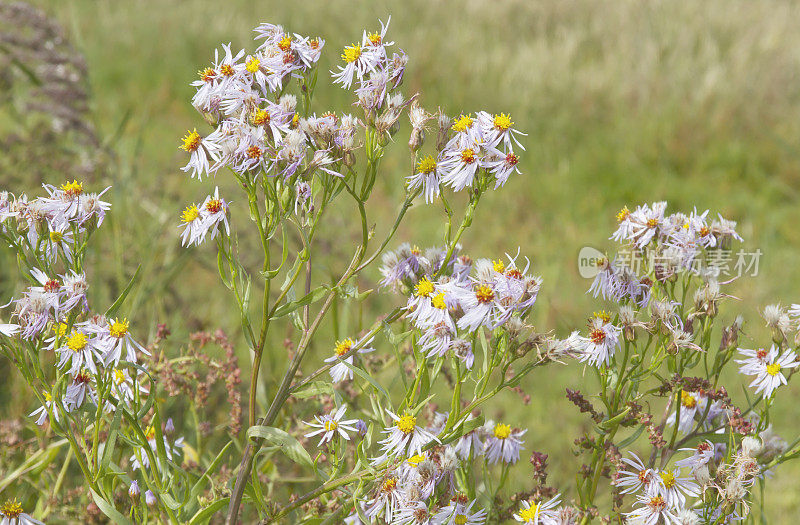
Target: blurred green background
[{"x": 625, "y": 102}]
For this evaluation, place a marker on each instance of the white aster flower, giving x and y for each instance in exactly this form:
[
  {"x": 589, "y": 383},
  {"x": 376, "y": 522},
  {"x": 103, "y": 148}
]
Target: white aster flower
[
  {"x": 503, "y": 443},
  {"x": 329, "y": 425}
]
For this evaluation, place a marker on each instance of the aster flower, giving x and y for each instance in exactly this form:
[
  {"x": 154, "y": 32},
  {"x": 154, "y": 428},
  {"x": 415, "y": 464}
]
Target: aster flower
[
  {"x": 602, "y": 343},
  {"x": 430, "y": 305},
  {"x": 673, "y": 488},
  {"x": 12, "y": 513},
  {"x": 43, "y": 412},
  {"x": 214, "y": 211},
  {"x": 636, "y": 476},
  {"x": 387, "y": 498},
  {"x": 200, "y": 151},
  {"x": 116, "y": 341},
  {"x": 77, "y": 392},
  {"x": 459, "y": 512},
  {"x": 460, "y": 166},
  {"x": 503, "y": 443},
  {"x": 329, "y": 425},
  {"x": 80, "y": 349},
  {"x": 499, "y": 129},
  {"x": 768, "y": 369},
  {"x": 140, "y": 459},
  {"x": 427, "y": 176},
  {"x": 404, "y": 437},
  {"x": 341, "y": 372},
  {"x": 533, "y": 513},
  {"x": 653, "y": 510},
  {"x": 701, "y": 456},
  {"x": 413, "y": 513}
]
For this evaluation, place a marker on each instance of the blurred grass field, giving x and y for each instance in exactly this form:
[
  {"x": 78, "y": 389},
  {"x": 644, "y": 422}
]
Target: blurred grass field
[{"x": 627, "y": 102}]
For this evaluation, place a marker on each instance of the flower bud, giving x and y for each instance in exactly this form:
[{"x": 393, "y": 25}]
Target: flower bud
[
  {"x": 169, "y": 428},
  {"x": 150, "y": 498},
  {"x": 133, "y": 491}
]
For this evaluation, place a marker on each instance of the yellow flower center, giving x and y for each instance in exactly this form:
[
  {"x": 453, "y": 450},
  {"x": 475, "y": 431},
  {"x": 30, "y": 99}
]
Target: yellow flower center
[
  {"x": 47, "y": 396},
  {"x": 11, "y": 509},
  {"x": 76, "y": 341},
  {"x": 253, "y": 152},
  {"x": 484, "y": 294},
  {"x": 688, "y": 400},
  {"x": 227, "y": 70},
  {"x": 61, "y": 329},
  {"x": 351, "y": 53},
  {"x": 150, "y": 434},
  {"x": 597, "y": 336},
  {"x": 261, "y": 116},
  {"x": 331, "y": 425},
  {"x": 529, "y": 514},
  {"x": 623, "y": 214},
  {"x": 191, "y": 141},
  {"x": 119, "y": 328},
  {"x": 414, "y": 461},
  {"x": 603, "y": 315},
  {"x": 668, "y": 478},
  {"x": 657, "y": 503},
  {"x": 499, "y": 266},
  {"x": 189, "y": 214},
  {"x": 502, "y": 121},
  {"x": 389, "y": 485},
  {"x": 652, "y": 223},
  {"x": 773, "y": 369},
  {"x": 252, "y": 65},
  {"x": 462, "y": 124},
  {"x": 214, "y": 205},
  {"x": 56, "y": 236},
  {"x": 460, "y": 519},
  {"x": 285, "y": 43},
  {"x": 424, "y": 288},
  {"x": 73, "y": 188},
  {"x": 207, "y": 74},
  {"x": 467, "y": 156},
  {"x": 374, "y": 39},
  {"x": 427, "y": 165},
  {"x": 406, "y": 423},
  {"x": 119, "y": 376},
  {"x": 502, "y": 431},
  {"x": 342, "y": 347},
  {"x": 438, "y": 301}
]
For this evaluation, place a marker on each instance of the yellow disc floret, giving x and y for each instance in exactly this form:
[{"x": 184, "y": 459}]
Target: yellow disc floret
[
  {"x": 484, "y": 294},
  {"x": 688, "y": 400},
  {"x": 668, "y": 478},
  {"x": 342, "y": 347},
  {"x": 189, "y": 214},
  {"x": 462, "y": 124},
  {"x": 351, "y": 53},
  {"x": 73, "y": 188},
  {"x": 191, "y": 141},
  {"x": 77, "y": 341},
  {"x": 438, "y": 301},
  {"x": 11, "y": 509},
  {"x": 252, "y": 65},
  {"x": 623, "y": 214},
  {"x": 499, "y": 266},
  {"x": 773, "y": 369},
  {"x": 119, "y": 328},
  {"x": 406, "y": 423},
  {"x": 424, "y": 288},
  {"x": 427, "y": 165},
  {"x": 502, "y": 431},
  {"x": 530, "y": 514},
  {"x": 502, "y": 122},
  {"x": 331, "y": 425}
]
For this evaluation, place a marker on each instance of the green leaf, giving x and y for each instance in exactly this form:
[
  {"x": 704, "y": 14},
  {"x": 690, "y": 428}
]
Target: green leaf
[
  {"x": 314, "y": 389},
  {"x": 311, "y": 297},
  {"x": 211, "y": 468},
  {"x": 361, "y": 373},
  {"x": 204, "y": 515},
  {"x": 111, "y": 442},
  {"x": 109, "y": 510},
  {"x": 633, "y": 437},
  {"x": 112, "y": 310},
  {"x": 288, "y": 444}
]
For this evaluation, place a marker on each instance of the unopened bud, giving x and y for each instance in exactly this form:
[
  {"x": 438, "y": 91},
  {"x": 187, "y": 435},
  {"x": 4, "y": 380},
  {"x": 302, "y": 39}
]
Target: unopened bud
[
  {"x": 133, "y": 491},
  {"x": 150, "y": 499}
]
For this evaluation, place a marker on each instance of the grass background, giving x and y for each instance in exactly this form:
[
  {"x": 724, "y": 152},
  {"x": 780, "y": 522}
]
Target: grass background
[{"x": 624, "y": 102}]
